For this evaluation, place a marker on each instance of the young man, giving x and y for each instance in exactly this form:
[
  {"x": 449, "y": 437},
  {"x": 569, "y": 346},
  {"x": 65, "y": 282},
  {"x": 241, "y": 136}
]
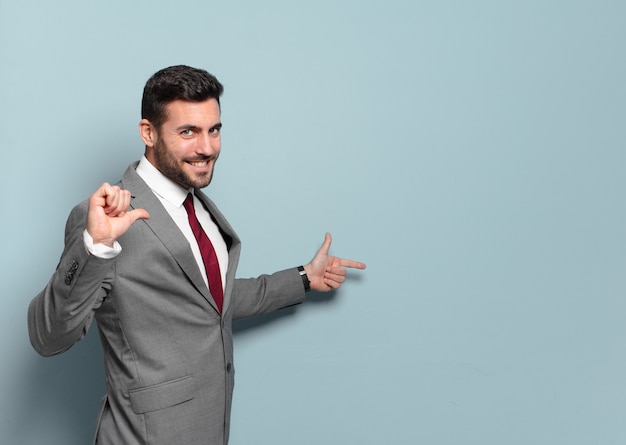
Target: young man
[{"x": 153, "y": 260}]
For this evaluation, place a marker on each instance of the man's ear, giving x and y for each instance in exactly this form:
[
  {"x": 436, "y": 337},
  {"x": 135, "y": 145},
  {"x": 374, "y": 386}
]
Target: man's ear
[{"x": 147, "y": 132}]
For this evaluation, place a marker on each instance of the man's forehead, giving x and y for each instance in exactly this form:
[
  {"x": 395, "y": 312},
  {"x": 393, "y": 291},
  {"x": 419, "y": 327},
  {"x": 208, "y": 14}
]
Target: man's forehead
[{"x": 207, "y": 111}]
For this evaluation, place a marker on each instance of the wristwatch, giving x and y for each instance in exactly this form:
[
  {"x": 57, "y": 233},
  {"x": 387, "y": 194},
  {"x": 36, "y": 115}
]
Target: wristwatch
[{"x": 305, "y": 278}]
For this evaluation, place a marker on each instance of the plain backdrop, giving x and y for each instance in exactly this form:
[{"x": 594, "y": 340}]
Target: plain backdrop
[{"x": 471, "y": 153}]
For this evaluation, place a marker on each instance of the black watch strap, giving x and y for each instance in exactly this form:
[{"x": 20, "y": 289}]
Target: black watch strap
[{"x": 305, "y": 278}]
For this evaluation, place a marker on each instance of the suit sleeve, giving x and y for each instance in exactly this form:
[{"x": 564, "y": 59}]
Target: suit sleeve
[
  {"x": 62, "y": 312},
  {"x": 253, "y": 296}
]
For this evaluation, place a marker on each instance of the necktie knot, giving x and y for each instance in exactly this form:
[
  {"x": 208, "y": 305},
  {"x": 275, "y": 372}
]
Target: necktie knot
[{"x": 188, "y": 204}]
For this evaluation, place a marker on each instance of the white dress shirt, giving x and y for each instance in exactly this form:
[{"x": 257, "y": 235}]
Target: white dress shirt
[{"x": 172, "y": 197}]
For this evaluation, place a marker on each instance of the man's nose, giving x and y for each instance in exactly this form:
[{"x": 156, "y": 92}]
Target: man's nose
[{"x": 208, "y": 144}]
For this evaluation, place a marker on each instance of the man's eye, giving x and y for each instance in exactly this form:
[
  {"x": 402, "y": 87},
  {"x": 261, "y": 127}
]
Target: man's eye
[
  {"x": 215, "y": 130},
  {"x": 186, "y": 132}
]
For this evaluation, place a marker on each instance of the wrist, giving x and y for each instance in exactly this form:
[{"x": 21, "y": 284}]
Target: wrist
[
  {"x": 305, "y": 278},
  {"x": 100, "y": 249}
]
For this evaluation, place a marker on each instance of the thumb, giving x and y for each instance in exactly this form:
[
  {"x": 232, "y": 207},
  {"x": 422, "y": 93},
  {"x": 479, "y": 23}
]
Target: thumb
[
  {"x": 136, "y": 214},
  {"x": 326, "y": 244}
]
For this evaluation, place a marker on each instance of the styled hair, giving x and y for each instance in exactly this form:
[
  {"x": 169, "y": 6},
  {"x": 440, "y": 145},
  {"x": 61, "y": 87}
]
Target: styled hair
[{"x": 178, "y": 82}]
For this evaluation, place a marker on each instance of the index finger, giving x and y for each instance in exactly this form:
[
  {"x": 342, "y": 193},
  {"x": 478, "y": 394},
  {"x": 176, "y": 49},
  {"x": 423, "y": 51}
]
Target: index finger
[
  {"x": 99, "y": 197},
  {"x": 351, "y": 263}
]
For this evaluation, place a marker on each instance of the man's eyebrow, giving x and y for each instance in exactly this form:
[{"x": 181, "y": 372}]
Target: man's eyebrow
[
  {"x": 187, "y": 127},
  {"x": 195, "y": 128}
]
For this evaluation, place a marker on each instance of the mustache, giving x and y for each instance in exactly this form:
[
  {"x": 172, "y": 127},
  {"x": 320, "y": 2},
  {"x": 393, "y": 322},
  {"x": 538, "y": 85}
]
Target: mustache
[{"x": 202, "y": 158}]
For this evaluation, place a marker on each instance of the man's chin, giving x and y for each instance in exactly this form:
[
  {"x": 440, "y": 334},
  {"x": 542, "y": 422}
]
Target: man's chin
[{"x": 200, "y": 181}]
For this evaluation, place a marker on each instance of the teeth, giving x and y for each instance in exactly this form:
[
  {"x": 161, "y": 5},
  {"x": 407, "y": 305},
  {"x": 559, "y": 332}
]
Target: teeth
[{"x": 199, "y": 164}]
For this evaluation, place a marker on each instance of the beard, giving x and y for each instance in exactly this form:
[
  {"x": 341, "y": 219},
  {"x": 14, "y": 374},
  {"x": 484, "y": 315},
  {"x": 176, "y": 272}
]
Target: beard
[{"x": 172, "y": 167}]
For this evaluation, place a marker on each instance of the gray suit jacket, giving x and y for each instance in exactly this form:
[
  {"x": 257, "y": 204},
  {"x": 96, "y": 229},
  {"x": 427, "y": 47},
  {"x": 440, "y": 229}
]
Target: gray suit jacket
[{"x": 168, "y": 352}]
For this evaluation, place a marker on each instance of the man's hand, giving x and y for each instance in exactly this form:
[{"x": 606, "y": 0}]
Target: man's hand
[
  {"x": 108, "y": 217},
  {"x": 327, "y": 272}
]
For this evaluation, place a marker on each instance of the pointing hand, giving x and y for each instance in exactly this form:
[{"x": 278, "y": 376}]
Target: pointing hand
[
  {"x": 108, "y": 216},
  {"x": 327, "y": 272}
]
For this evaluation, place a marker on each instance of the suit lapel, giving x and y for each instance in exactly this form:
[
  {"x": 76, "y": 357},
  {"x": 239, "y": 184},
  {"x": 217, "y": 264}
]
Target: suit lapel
[{"x": 165, "y": 229}]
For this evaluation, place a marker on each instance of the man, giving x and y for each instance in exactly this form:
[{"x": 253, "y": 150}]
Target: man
[{"x": 153, "y": 261}]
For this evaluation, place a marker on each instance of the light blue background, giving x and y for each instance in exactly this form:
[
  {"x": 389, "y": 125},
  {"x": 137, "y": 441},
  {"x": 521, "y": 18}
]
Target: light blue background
[{"x": 471, "y": 153}]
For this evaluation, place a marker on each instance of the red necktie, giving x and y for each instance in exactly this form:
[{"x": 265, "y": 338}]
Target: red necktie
[{"x": 209, "y": 258}]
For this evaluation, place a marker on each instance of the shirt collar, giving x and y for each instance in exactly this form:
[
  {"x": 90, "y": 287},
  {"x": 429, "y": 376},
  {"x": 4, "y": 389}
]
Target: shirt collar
[{"x": 160, "y": 184}]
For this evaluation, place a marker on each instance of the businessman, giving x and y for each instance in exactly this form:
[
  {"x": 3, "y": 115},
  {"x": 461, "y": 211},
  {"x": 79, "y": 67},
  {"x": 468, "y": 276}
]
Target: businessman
[{"x": 153, "y": 261}]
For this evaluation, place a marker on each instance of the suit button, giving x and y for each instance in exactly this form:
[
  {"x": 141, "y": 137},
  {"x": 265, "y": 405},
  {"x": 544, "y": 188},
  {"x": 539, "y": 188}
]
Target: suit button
[
  {"x": 228, "y": 367},
  {"x": 69, "y": 275}
]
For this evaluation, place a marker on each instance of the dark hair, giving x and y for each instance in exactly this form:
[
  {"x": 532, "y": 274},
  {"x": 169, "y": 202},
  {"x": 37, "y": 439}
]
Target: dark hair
[{"x": 178, "y": 82}]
